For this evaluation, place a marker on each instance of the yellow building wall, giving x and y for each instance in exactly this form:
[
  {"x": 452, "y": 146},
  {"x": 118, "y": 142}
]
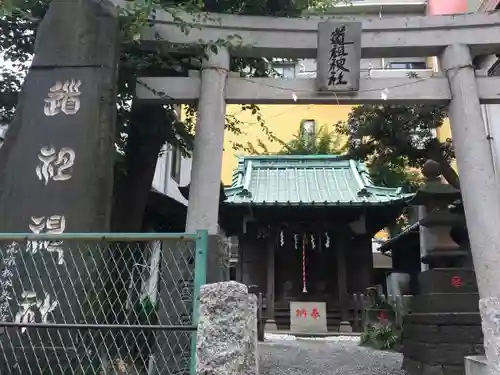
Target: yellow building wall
[
  {"x": 443, "y": 133},
  {"x": 282, "y": 120}
]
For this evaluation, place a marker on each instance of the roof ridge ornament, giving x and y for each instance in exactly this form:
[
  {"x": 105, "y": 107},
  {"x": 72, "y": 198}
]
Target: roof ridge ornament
[
  {"x": 244, "y": 193},
  {"x": 363, "y": 192}
]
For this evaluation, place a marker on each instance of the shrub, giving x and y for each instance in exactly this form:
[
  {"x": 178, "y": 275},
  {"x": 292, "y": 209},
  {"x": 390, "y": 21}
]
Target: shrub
[{"x": 380, "y": 336}]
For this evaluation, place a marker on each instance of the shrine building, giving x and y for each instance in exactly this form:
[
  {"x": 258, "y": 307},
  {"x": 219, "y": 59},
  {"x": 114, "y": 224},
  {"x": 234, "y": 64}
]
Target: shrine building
[{"x": 305, "y": 226}]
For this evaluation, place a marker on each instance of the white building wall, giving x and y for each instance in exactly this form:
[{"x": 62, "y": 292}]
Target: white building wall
[
  {"x": 163, "y": 181},
  {"x": 491, "y": 118},
  {"x": 161, "y": 172}
]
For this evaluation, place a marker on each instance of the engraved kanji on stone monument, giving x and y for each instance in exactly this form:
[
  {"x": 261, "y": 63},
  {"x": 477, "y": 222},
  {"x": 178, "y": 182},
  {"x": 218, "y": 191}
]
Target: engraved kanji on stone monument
[
  {"x": 63, "y": 97},
  {"x": 54, "y": 165},
  {"x": 6, "y": 275},
  {"x": 29, "y": 307},
  {"x": 55, "y": 224},
  {"x": 339, "y": 55}
]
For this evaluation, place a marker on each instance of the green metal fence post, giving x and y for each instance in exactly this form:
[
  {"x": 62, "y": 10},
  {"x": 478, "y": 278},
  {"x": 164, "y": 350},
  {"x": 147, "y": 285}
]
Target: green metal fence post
[{"x": 200, "y": 278}]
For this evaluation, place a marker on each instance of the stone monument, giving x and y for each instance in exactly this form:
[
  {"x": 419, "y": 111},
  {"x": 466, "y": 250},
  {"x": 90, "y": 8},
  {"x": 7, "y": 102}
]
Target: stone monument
[
  {"x": 56, "y": 176},
  {"x": 227, "y": 330},
  {"x": 444, "y": 325}
]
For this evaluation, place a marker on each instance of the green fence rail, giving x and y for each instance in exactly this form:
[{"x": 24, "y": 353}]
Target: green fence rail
[{"x": 100, "y": 303}]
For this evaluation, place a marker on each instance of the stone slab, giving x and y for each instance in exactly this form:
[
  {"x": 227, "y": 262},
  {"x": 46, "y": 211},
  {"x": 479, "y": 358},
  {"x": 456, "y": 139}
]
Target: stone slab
[
  {"x": 413, "y": 367},
  {"x": 443, "y": 319},
  {"x": 454, "y": 370},
  {"x": 437, "y": 353},
  {"x": 308, "y": 317},
  {"x": 443, "y": 334},
  {"x": 270, "y": 326},
  {"x": 446, "y": 303},
  {"x": 476, "y": 365},
  {"x": 345, "y": 327},
  {"x": 446, "y": 280},
  {"x": 432, "y": 370}
]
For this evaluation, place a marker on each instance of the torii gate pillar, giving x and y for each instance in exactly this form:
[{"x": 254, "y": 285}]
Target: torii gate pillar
[
  {"x": 204, "y": 191},
  {"x": 480, "y": 192}
]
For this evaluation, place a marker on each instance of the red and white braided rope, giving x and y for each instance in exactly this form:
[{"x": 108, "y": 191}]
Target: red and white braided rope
[{"x": 304, "y": 279}]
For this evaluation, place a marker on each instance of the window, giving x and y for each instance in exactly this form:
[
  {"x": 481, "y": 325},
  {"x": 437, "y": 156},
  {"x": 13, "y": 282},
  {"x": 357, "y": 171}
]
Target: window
[
  {"x": 406, "y": 65},
  {"x": 175, "y": 165},
  {"x": 286, "y": 71},
  {"x": 308, "y": 128}
]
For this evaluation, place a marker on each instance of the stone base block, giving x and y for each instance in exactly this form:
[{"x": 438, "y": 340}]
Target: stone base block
[
  {"x": 476, "y": 365},
  {"x": 436, "y": 344},
  {"x": 448, "y": 280},
  {"x": 446, "y": 302},
  {"x": 345, "y": 327},
  {"x": 439, "y": 353},
  {"x": 24, "y": 358},
  {"x": 412, "y": 367},
  {"x": 448, "y": 319},
  {"x": 432, "y": 333},
  {"x": 270, "y": 326}
]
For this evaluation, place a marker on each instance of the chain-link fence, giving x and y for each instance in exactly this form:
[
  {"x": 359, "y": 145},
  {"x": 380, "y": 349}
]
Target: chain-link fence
[{"x": 100, "y": 304}]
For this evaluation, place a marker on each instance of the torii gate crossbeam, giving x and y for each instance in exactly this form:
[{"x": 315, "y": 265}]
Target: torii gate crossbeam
[
  {"x": 420, "y": 90},
  {"x": 414, "y": 36}
]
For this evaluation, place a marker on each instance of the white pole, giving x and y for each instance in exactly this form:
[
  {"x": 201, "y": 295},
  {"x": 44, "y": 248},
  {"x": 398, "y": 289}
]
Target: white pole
[{"x": 479, "y": 191}]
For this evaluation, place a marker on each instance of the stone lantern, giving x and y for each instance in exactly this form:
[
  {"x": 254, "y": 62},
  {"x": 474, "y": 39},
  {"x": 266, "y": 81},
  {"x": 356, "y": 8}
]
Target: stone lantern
[{"x": 444, "y": 325}]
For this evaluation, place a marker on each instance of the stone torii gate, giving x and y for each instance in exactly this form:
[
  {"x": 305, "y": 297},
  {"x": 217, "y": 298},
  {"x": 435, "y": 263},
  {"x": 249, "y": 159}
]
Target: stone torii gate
[{"x": 456, "y": 40}]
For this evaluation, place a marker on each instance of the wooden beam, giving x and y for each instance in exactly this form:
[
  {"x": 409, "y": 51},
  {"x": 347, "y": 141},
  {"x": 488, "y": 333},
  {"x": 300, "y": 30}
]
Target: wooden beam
[
  {"x": 271, "y": 279},
  {"x": 432, "y": 90},
  {"x": 342, "y": 280},
  {"x": 415, "y": 36}
]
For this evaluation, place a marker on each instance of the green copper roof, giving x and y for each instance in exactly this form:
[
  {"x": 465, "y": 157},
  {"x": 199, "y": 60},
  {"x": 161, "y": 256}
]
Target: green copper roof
[{"x": 306, "y": 179}]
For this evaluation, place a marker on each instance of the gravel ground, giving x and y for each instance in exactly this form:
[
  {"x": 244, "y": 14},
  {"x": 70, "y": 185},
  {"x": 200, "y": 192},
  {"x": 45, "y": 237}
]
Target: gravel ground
[{"x": 286, "y": 355}]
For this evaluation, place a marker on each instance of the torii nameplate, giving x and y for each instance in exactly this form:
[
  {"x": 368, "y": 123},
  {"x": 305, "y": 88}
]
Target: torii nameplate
[{"x": 339, "y": 55}]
